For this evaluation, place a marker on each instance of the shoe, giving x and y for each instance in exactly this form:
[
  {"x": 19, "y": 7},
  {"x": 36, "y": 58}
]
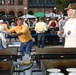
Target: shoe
[{"x": 4, "y": 47}]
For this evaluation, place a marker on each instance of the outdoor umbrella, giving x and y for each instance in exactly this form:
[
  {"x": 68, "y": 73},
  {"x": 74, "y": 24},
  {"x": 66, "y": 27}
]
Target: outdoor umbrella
[
  {"x": 39, "y": 14},
  {"x": 28, "y": 16},
  {"x": 52, "y": 15}
]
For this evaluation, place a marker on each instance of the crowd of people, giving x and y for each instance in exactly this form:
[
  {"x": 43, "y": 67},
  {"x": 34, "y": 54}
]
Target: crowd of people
[
  {"x": 40, "y": 25},
  {"x": 67, "y": 30}
]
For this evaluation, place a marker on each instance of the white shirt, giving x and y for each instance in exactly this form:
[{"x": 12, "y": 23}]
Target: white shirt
[{"x": 70, "y": 33}]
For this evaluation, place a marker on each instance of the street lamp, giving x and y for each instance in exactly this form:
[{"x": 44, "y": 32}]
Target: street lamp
[
  {"x": 25, "y": 10},
  {"x": 44, "y": 8}
]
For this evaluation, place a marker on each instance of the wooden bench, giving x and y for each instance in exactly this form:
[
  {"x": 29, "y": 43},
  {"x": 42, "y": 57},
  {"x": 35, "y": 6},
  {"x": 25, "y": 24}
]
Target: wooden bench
[
  {"x": 56, "y": 55},
  {"x": 57, "y": 63},
  {"x": 6, "y": 67},
  {"x": 9, "y": 54}
]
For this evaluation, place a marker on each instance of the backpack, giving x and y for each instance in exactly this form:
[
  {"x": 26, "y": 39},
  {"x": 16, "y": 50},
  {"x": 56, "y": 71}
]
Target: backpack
[{"x": 53, "y": 24}]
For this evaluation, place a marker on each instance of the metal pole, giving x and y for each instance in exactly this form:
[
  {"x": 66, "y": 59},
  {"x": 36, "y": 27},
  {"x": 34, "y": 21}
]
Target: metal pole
[
  {"x": 25, "y": 9},
  {"x": 44, "y": 8}
]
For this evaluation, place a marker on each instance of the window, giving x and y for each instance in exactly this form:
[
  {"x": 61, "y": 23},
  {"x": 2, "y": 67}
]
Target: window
[
  {"x": 46, "y": 1},
  {"x": 41, "y": 3},
  {"x": 19, "y": 2},
  {"x": 2, "y": 2},
  {"x": 11, "y": 2},
  {"x": 29, "y": 1},
  {"x": 53, "y": 1},
  {"x": 37, "y": 1}
]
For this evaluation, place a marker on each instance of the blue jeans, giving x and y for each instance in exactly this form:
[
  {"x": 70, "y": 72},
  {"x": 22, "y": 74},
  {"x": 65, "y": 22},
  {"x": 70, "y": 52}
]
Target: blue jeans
[
  {"x": 26, "y": 47},
  {"x": 41, "y": 40}
]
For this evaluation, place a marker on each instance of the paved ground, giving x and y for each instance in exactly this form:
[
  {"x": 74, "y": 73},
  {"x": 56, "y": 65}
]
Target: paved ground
[{"x": 28, "y": 72}]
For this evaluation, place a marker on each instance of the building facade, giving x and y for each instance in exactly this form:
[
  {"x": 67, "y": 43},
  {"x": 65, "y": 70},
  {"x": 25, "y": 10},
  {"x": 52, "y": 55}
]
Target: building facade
[
  {"x": 20, "y": 7},
  {"x": 12, "y": 7},
  {"x": 41, "y": 5}
]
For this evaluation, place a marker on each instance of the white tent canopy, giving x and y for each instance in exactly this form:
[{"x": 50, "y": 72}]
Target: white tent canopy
[
  {"x": 28, "y": 16},
  {"x": 52, "y": 15}
]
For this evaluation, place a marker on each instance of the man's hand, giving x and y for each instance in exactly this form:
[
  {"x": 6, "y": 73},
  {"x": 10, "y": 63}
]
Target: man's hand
[
  {"x": 59, "y": 34},
  {"x": 13, "y": 34}
]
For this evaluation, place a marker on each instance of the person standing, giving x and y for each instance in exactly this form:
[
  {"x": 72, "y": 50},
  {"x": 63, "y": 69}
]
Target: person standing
[
  {"x": 34, "y": 23},
  {"x": 53, "y": 23},
  {"x": 24, "y": 36},
  {"x": 3, "y": 27},
  {"x": 61, "y": 23},
  {"x": 40, "y": 29},
  {"x": 70, "y": 26}
]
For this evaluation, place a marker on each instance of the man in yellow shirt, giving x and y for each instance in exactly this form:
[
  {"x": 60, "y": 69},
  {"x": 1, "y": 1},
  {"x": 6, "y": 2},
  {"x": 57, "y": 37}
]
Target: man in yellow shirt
[{"x": 24, "y": 36}]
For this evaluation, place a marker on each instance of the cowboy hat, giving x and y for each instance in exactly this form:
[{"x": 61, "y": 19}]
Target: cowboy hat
[{"x": 71, "y": 6}]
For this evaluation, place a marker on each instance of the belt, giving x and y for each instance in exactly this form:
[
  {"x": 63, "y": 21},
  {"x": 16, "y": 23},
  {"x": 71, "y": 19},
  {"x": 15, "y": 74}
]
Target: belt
[
  {"x": 41, "y": 32},
  {"x": 29, "y": 41}
]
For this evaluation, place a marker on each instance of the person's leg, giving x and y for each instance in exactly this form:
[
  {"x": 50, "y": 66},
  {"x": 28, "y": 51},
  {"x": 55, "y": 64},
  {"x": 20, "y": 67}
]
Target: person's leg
[
  {"x": 4, "y": 44},
  {"x": 22, "y": 48},
  {"x": 29, "y": 47},
  {"x": 43, "y": 40},
  {"x": 63, "y": 41},
  {"x": 39, "y": 40}
]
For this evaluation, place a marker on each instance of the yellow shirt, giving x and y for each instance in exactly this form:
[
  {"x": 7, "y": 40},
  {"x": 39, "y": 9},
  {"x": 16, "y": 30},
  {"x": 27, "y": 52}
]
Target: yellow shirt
[
  {"x": 40, "y": 27},
  {"x": 26, "y": 36}
]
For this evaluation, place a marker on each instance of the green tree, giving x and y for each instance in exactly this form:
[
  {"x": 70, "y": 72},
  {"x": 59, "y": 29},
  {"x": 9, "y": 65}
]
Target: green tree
[{"x": 61, "y": 4}]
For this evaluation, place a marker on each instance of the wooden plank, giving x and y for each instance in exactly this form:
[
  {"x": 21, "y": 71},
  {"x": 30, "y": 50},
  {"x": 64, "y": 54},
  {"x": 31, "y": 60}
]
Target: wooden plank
[
  {"x": 59, "y": 63},
  {"x": 55, "y": 50},
  {"x": 8, "y": 51}
]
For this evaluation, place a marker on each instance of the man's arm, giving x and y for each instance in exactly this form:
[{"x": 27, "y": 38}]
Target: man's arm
[{"x": 16, "y": 34}]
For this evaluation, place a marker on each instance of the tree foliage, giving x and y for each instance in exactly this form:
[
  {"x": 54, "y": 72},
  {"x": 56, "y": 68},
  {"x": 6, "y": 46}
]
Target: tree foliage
[{"x": 61, "y": 4}]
